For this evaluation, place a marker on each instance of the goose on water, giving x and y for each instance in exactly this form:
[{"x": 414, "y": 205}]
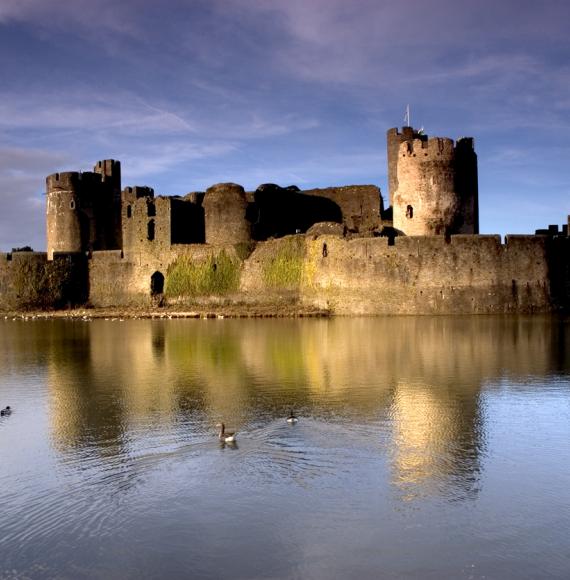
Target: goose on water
[
  {"x": 6, "y": 411},
  {"x": 291, "y": 418},
  {"x": 227, "y": 436}
]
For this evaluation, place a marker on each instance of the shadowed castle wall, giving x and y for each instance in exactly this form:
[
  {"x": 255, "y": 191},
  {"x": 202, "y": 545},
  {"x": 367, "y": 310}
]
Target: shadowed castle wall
[
  {"x": 107, "y": 204},
  {"x": 225, "y": 213},
  {"x": 84, "y": 209},
  {"x": 360, "y": 205},
  {"x": 28, "y": 280}
]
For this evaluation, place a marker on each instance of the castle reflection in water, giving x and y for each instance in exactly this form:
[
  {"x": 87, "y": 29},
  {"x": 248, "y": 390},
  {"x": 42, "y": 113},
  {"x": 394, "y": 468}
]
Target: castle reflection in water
[{"x": 415, "y": 386}]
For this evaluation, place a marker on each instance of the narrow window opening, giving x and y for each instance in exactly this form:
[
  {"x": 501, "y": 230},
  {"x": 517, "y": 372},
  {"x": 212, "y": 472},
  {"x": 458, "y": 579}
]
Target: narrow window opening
[
  {"x": 151, "y": 209},
  {"x": 129, "y": 211},
  {"x": 150, "y": 231},
  {"x": 72, "y": 204},
  {"x": 325, "y": 251},
  {"x": 9, "y": 257},
  {"x": 410, "y": 212}
]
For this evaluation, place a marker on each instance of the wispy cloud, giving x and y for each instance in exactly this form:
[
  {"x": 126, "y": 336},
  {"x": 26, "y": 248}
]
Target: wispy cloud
[
  {"x": 288, "y": 90},
  {"x": 100, "y": 15}
]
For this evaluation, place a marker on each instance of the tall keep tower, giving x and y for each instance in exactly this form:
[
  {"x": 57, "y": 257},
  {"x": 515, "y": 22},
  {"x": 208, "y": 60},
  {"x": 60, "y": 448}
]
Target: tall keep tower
[
  {"x": 436, "y": 186},
  {"x": 69, "y": 214},
  {"x": 84, "y": 209},
  {"x": 394, "y": 139}
]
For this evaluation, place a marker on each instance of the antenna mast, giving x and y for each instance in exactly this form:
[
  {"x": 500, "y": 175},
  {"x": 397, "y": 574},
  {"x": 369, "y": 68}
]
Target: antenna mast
[{"x": 407, "y": 117}]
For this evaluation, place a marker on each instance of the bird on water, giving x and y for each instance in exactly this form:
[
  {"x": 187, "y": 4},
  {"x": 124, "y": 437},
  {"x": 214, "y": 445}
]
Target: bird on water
[
  {"x": 6, "y": 411},
  {"x": 292, "y": 419},
  {"x": 227, "y": 436}
]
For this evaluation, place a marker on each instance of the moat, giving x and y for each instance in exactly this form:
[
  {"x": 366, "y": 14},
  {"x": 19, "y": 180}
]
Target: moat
[{"x": 427, "y": 447}]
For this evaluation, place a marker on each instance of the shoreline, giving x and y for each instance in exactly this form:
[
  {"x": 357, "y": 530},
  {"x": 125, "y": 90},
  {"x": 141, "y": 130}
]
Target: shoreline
[
  {"x": 117, "y": 313},
  {"x": 222, "y": 312}
]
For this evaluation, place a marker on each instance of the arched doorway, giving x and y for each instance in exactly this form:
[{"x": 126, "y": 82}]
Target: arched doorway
[{"x": 156, "y": 284}]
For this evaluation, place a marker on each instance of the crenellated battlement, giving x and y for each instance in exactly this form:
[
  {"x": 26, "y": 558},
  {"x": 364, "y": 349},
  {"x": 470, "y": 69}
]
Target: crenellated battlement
[
  {"x": 345, "y": 251},
  {"x": 432, "y": 147},
  {"x": 137, "y": 191},
  {"x": 110, "y": 171},
  {"x": 405, "y": 132},
  {"x": 465, "y": 144},
  {"x": 71, "y": 181}
]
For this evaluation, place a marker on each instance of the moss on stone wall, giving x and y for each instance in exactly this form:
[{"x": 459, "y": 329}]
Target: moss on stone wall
[
  {"x": 217, "y": 274},
  {"x": 244, "y": 250},
  {"x": 54, "y": 284},
  {"x": 285, "y": 268}
]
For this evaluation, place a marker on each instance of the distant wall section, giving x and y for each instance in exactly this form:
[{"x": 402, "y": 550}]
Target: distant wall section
[{"x": 28, "y": 280}]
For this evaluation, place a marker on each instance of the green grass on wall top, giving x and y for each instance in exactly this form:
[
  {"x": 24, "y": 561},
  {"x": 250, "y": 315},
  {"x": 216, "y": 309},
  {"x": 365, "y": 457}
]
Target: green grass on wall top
[
  {"x": 217, "y": 274},
  {"x": 285, "y": 268}
]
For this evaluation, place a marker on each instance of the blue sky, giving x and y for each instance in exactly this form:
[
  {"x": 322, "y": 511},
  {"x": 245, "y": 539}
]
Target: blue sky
[{"x": 188, "y": 93}]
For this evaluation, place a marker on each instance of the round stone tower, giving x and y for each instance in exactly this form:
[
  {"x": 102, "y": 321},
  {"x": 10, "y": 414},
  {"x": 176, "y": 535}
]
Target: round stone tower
[
  {"x": 426, "y": 201},
  {"x": 394, "y": 138},
  {"x": 225, "y": 207},
  {"x": 63, "y": 220}
]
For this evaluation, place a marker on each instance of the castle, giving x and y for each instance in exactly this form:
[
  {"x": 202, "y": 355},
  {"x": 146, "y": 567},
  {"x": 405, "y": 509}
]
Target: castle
[{"x": 337, "y": 248}]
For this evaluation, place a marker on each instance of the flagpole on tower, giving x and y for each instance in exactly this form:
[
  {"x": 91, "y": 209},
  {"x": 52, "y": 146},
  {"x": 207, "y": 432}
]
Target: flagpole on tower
[{"x": 407, "y": 120}]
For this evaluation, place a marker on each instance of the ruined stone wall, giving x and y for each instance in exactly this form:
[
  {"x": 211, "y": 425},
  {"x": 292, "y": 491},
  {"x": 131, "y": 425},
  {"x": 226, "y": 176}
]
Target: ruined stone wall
[
  {"x": 416, "y": 275},
  {"x": 427, "y": 275},
  {"x": 113, "y": 280},
  {"x": 107, "y": 205},
  {"x": 187, "y": 226},
  {"x": 467, "y": 185},
  {"x": 28, "y": 280},
  {"x": 360, "y": 205},
  {"x": 146, "y": 222}
]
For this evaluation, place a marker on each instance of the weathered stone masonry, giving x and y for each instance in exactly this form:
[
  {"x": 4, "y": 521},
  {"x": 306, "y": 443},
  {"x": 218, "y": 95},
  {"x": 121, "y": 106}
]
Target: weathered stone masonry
[{"x": 335, "y": 248}]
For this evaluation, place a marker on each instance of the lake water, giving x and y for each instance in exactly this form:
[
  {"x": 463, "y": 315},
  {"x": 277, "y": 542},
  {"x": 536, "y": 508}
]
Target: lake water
[{"x": 426, "y": 448}]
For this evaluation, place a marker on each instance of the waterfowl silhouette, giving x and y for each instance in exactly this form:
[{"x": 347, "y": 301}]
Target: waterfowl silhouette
[
  {"x": 291, "y": 419},
  {"x": 227, "y": 436},
  {"x": 6, "y": 411}
]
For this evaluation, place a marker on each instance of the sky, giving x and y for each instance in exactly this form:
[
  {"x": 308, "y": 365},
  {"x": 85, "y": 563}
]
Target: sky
[{"x": 189, "y": 93}]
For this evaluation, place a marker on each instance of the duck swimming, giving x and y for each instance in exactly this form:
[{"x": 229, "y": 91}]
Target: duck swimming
[
  {"x": 227, "y": 436},
  {"x": 6, "y": 411},
  {"x": 292, "y": 419}
]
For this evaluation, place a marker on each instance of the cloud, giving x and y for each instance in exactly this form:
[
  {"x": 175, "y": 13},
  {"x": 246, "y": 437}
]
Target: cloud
[
  {"x": 22, "y": 175},
  {"x": 284, "y": 90},
  {"x": 79, "y": 111},
  {"x": 118, "y": 17}
]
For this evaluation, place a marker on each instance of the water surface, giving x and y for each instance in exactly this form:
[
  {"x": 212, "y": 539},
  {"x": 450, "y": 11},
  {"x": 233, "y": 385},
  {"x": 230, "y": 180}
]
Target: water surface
[{"x": 426, "y": 448}]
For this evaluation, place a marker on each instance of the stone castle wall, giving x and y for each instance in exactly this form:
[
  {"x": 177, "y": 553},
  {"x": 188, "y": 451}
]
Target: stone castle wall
[
  {"x": 415, "y": 275},
  {"x": 429, "y": 275},
  {"x": 334, "y": 248},
  {"x": 28, "y": 280}
]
